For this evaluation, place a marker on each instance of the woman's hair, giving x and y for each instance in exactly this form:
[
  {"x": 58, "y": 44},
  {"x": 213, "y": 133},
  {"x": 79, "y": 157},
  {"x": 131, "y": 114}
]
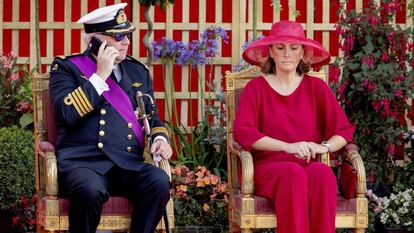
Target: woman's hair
[{"x": 269, "y": 67}]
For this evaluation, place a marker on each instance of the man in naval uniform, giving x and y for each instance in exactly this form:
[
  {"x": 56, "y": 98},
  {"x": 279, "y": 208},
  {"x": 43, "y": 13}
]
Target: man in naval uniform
[{"x": 100, "y": 142}]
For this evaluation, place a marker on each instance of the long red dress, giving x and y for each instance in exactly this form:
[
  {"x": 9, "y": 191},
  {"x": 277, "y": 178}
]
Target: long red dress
[{"x": 304, "y": 194}]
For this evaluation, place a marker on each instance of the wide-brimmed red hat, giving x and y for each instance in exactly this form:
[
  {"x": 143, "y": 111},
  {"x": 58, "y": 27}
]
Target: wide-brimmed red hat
[{"x": 287, "y": 32}]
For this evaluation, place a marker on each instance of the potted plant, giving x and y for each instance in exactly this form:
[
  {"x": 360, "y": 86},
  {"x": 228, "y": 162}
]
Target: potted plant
[
  {"x": 396, "y": 212},
  {"x": 200, "y": 200}
]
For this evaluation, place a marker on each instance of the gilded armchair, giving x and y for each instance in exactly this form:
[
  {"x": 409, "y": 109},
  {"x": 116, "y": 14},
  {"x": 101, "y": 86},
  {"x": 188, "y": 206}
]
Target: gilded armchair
[
  {"x": 52, "y": 210},
  {"x": 248, "y": 211}
]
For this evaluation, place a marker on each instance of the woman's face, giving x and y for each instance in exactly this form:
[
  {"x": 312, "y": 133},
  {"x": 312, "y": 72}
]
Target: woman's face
[{"x": 286, "y": 56}]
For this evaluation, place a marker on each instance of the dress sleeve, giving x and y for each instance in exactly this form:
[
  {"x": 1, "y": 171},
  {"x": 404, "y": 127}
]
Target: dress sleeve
[
  {"x": 245, "y": 129},
  {"x": 335, "y": 122}
]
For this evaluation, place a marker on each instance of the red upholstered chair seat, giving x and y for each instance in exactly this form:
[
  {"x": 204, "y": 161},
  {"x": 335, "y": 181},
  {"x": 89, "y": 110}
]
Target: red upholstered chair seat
[
  {"x": 265, "y": 206},
  {"x": 114, "y": 206}
]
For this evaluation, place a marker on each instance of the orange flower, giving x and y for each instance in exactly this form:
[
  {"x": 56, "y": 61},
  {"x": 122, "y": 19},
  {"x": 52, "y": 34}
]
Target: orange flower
[
  {"x": 207, "y": 180},
  {"x": 214, "y": 180},
  {"x": 200, "y": 182},
  {"x": 206, "y": 207}
]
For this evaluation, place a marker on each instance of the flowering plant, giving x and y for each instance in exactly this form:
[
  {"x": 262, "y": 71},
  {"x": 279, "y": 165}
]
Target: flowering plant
[
  {"x": 24, "y": 214},
  {"x": 200, "y": 148},
  {"x": 396, "y": 211},
  {"x": 15, "y": 92},
  {"x": 376, "y": 81},
  {"x": 200, "y": 198}
]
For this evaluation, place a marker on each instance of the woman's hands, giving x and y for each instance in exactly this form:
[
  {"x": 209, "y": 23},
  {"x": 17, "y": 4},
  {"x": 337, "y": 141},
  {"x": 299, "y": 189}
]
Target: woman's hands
[{"x": 305, "y": 150}]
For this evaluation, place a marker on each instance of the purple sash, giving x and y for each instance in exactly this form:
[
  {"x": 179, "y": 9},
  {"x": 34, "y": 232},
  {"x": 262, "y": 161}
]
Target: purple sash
[{"x": 115, "y": 96}]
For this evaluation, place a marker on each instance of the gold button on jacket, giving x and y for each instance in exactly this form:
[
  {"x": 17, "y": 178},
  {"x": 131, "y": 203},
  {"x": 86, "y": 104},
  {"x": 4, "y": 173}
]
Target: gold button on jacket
[{"x": 100, "y": 145}]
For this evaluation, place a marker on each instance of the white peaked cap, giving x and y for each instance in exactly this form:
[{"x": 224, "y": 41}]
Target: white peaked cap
[{"x": 111, "y": 19}]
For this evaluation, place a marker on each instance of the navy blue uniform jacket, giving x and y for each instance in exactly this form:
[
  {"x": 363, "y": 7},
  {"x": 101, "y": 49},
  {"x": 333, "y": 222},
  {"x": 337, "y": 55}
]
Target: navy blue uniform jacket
[{"x": 90, "y": 132}]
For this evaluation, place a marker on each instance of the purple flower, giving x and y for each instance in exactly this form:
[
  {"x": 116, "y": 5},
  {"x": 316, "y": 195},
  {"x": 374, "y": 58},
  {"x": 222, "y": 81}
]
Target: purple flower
[
  {"x": 209, "y": 39},
  {"x": 166, "y": 48},
  {"x": 194, "y": 55},
  {"x": 214, "y": 33}
]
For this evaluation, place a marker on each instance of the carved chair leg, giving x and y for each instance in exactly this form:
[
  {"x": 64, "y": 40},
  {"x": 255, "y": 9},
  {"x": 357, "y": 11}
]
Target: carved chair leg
[{"x": 359, "y": 230}]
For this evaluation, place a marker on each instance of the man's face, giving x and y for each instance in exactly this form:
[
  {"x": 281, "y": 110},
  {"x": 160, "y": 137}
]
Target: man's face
[{"x": 122, "y": 45}]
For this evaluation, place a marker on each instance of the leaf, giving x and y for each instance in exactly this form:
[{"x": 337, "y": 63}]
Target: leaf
[
  {"x": 352, "y": 66},
  {"x": 26, "y": 119}
]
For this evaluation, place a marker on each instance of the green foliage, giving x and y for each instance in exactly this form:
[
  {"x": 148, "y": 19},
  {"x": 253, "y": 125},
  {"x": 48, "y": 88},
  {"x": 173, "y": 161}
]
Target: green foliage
[
  {"x": 206, "y": 145},
  {"x": 16, "y": 165},
  {"x": 200, "y": 198},
  {"x": 375, "y": 83},
  {"x": 15, "y": 92},
  {"x": 160, "y": 3}
]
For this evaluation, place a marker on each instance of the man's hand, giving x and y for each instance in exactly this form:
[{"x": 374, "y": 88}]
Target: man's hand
[
  {"x": 105, "y": 60},
  {"x": 162, "y": 148}
]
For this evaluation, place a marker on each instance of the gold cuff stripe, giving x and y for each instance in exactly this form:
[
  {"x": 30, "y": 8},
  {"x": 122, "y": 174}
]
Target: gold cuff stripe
[
  {"x": 78, "y": 102},
  {"x": 86, "y": 99},
  {"x": 159, "y": 130},
  {"x": 75, "y": 105},
  {"x": 82, "y": 97}
]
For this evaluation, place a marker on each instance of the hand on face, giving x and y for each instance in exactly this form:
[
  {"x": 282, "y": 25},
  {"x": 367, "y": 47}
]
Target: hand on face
[
  {"x": 105, "y": 60},
  {"x": 162, "y": 148},
  {"x": 113, "y": 53}
]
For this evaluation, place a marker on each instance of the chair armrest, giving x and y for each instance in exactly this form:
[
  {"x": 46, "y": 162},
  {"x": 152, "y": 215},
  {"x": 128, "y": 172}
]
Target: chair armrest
[
  {"x": 47, "y": 153},
  {"x": 350, "y": 153},
  {"x": 247, "y": 186}
]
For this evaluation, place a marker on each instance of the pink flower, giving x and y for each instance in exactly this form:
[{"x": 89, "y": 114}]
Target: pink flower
[
  {"x": 368, "y": 60},
  {"x": 373, "y": 20},
  {"x": 412, "y": 63},
  {"x": 372, "y": 177},
  {"x": 32, "y": 222},
  {"x": 12, "y": 54},
  {"x": 24, "y": 107},
  {"x": 385, "y": 57},
  {"x": 15, "y": 220},
  {"x": 376, "y": 105},
  {"x": 398, "y": 94},
  {"x": 391, "y": 36},
  {"x": 369, "y": 85},
  {"x": 334, "y": 73},
  {"x": 390, "y": 149},
  {"x": 14, "y": 77},
  {"x": 339, "y": 30}
]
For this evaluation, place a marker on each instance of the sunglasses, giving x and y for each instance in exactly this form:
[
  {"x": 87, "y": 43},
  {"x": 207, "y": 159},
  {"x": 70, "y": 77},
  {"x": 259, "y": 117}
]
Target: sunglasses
[{"x": 118, "y": 36}]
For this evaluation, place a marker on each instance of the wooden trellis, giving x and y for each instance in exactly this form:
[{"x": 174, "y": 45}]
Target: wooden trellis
[{"x": 60, "y": 35}]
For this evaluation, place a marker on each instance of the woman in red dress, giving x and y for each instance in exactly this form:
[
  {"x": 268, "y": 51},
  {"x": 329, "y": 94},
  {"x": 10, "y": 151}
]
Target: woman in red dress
[{"x": 287, "y": 117}]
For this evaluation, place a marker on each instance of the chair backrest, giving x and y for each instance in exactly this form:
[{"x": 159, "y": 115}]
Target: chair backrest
[
  {"x": 43, "y": 109},
  {"x": 235, "y": 83}
]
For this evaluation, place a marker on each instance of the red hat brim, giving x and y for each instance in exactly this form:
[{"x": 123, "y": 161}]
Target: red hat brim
[{"x": 258, "y": 52}]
